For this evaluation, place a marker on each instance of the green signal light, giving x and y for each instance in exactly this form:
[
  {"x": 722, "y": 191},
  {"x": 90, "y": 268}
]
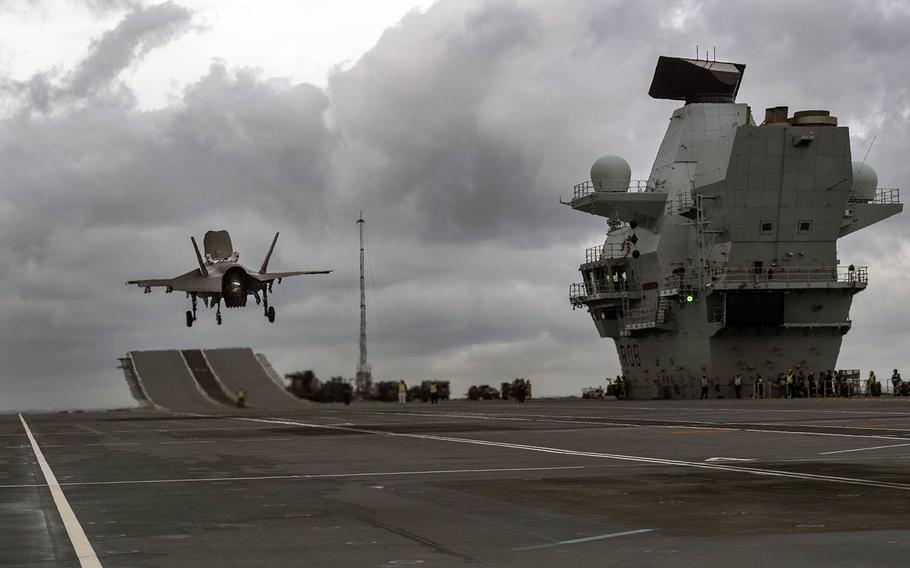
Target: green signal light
[{"x": 690, "y": 298}]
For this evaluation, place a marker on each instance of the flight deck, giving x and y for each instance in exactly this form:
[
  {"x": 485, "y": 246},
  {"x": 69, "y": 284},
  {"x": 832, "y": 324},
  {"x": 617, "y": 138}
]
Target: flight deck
[{"x": 595, "y": 483}]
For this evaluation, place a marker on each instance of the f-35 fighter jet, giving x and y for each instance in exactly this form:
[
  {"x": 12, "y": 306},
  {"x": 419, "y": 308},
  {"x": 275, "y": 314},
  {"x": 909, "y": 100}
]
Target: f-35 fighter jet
[{"x": 220, "y": 277}]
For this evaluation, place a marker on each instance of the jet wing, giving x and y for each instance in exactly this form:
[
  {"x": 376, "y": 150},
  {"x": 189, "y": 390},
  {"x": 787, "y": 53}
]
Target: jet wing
[
  {"x": 266, "y": 276},
  {"x": 153, "y": 283},
  {"x": 189, "y": 282}
]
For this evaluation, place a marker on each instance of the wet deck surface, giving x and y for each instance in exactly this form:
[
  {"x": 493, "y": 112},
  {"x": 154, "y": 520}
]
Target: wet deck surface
[{"x": 593, "y": 483}]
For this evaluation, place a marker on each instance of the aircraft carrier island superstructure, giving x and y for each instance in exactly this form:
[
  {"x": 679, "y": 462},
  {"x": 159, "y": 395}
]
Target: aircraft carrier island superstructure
[{"x": 724, "y": 260}]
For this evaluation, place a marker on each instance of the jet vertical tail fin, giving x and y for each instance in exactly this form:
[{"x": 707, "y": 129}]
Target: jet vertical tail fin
[
  {"x": 202, "y": 269},
  {"x": 265, "y": 263}
]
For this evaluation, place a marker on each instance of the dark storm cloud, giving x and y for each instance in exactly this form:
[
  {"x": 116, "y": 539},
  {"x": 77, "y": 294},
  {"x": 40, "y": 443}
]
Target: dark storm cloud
[
  {"x": 455, "y": 134},
  {"x": 96, "y": 6},
  {"x": 110, "y": 5},
  {"x": 140, "y": 31}
]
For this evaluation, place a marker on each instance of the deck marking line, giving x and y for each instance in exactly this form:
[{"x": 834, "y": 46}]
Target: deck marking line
[
  {"x": 601, "y": 455},
  {"x": 585, "y": 539},
  {"x": 863, "y": 449},
  {"x": 834, "y": 434},
  {"x": 298, "y": 476},
  {"x": 554, "y": 419},
  {"x": 84, "y": 551},
  {"x": 106, "y": 444},
  {"x": 605, "y": 421}
]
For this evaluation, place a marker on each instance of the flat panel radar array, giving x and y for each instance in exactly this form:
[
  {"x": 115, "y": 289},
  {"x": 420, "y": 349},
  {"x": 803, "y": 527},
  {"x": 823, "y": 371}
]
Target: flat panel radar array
[
  {"x": 724, "y": 261},
  {"x": 694, "y": 80}
]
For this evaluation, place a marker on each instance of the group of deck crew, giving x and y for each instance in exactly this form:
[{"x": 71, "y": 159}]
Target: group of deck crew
[{"x": 806, "y": 385}]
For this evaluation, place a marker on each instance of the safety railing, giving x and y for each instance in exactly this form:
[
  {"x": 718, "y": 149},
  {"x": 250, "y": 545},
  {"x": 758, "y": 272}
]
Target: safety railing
[
  {"x": 681, "y": 280},
  {"x": 582, "y": 292},
  {"x": 578, "y": 294},
  {"x": 640, "y": 318},
  {"x": 887, "y": 196},
  {"x": 606, "y": 251},
  {"x": 718, "y": 314},
  {"x": 680, "y": 202},
  {"x": 883, "y": 196},
  {"x": 784, "y": 276},
  {"x": 587, "y": 187}
]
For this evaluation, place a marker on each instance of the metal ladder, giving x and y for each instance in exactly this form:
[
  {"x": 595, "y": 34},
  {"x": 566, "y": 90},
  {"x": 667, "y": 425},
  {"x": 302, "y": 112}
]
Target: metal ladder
[
  {"x": 703, "y": 244},
  {"x": 663, "y": 309}
]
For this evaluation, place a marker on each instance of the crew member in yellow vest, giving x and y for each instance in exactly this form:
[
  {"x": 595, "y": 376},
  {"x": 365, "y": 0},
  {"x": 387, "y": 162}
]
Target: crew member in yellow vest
[
  {"x": 241, "y": 398},
  {"x": 791, "y": 383},
  {"x": 402, "y": 392},
  {"x": 434, "y": 393}
]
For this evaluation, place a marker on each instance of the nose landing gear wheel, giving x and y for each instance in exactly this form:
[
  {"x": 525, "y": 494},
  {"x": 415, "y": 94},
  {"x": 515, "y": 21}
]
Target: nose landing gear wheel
[
  {"x": 189, "y": 318},
  {"x": 218, "y": 319},
  {"x": 270, "y": 313}
]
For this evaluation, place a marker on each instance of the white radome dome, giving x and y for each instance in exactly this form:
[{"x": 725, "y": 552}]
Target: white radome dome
[
  {"x": 865, "y": 181},
  {"x": 611, "y": 173}
]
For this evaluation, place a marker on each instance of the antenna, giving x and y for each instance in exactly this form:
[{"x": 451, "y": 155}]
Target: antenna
[
  {"x": 364, "y": 378},
  {"x": 874, "y": 138},
  {"x": 715, "y": 53},
  {"x": 697, "y": 52}
]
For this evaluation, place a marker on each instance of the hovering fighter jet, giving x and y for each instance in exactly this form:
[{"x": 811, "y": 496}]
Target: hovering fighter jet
[{"x": 220, "y": 277}]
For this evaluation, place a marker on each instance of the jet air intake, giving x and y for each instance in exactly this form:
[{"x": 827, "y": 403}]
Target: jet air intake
[{"x": 234, "y": 288}]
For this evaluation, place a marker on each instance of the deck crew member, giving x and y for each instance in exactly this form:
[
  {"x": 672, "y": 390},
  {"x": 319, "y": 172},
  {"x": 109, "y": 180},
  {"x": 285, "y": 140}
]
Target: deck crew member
[
  {"x": 402, "y": 392},
  {"x": 434, "y": 393},
  {"x": 738, "y": 385},
  {"x": 704, "y": 387},
  {"x": 896, "y": 383},
  {"x": 241, "y": 398}
]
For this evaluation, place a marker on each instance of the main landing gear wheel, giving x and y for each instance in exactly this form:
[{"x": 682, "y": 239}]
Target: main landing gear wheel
[
  {"x": 189, "y": 318},
  {"x": 270, "y": 313}
]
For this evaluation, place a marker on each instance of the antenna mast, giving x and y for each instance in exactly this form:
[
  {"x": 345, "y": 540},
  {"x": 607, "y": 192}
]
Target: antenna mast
[{"x": 364, "y": 374}]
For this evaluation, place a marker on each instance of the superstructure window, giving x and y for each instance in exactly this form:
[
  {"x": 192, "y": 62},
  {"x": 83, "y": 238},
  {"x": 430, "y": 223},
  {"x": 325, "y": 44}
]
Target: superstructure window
[
  {"x": 766, "y": 227},
  {"x": 805, "y": 226}
]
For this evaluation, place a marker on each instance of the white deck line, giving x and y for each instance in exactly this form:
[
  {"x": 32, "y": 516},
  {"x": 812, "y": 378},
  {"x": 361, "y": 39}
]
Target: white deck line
[
  {"x": 584, "y": 539},
  {"x": 606, "y": 421},
  {"x": 196, "y": 384},
  {"x": 602, "y": 455},
  {"x": 152, "y": 404},
  {"x": 863, "y": 449},
  {"x": 227, "y": 392},
  {"x": 303, "y": 476},
  {"x": 84, "y": 551}
]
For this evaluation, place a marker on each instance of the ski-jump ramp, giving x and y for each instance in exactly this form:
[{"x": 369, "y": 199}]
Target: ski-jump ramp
[
  {"x": 197, "y": 381},
  {"x": 240, "y": 368},
  {"x": 168, "y": 383}
]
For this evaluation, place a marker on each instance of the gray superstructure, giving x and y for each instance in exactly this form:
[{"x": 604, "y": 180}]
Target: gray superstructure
[{"x": 724, "y": 260}]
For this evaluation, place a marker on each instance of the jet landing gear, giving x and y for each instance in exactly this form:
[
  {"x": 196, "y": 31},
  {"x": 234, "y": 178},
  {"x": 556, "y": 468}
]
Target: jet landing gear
[
  {"x": 269, "y": 310},
  {"x": 191, "y": 314},
  {"x": 218, "y": 313}
]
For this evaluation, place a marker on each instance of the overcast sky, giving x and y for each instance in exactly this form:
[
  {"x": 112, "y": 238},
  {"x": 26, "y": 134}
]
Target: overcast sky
[{"x": 127, "y": 126}]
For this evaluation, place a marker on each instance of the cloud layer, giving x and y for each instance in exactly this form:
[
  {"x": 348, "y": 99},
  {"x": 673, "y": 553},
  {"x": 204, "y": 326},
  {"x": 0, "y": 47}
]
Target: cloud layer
[{"x": 455, "y": 135}]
